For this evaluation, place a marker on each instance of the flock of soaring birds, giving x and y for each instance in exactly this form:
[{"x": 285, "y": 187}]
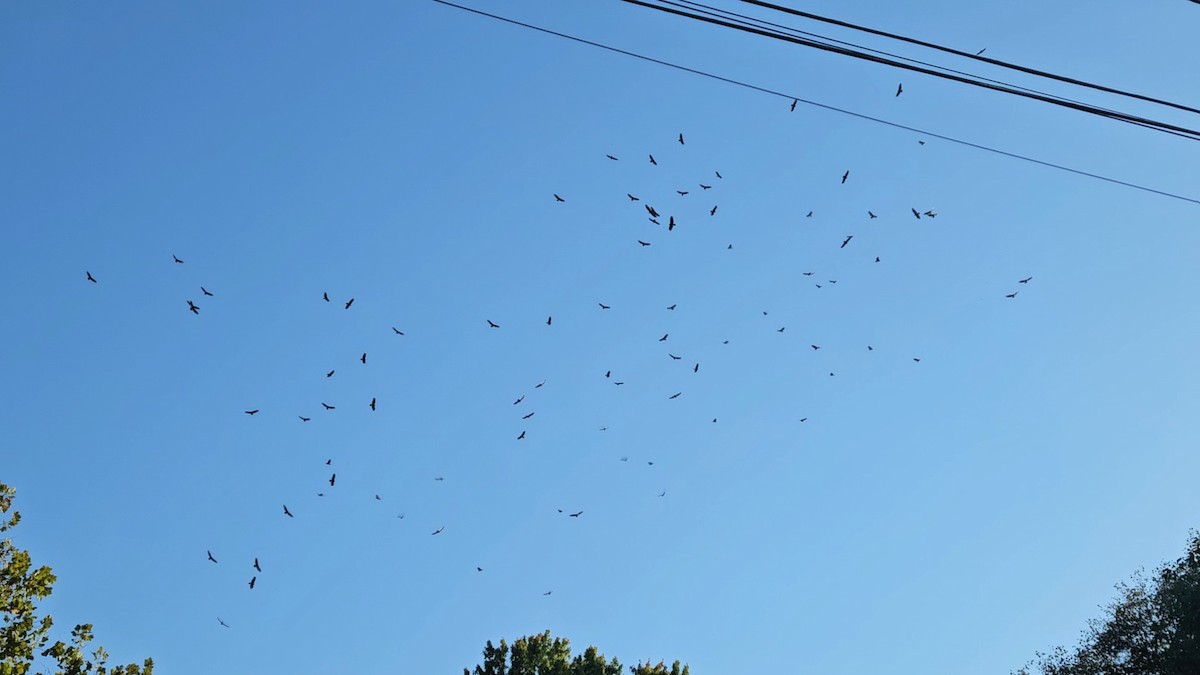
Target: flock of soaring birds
[{"x": 656, "y": 217}]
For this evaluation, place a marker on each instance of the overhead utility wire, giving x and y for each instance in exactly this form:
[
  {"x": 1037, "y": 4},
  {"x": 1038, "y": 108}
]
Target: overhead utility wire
[
  {"x": 977, "y": 57},
  {"x": 716, "y": 11},
  {"x": 1184, "y": 132},
  {"x": 815, "y": 104}
]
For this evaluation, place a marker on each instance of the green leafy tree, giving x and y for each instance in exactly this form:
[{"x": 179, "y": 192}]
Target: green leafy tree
[
  {"x": 23, "y": 635},
  {"x": 1153, "y": 628},
  {"x": 544, "y": 655}
]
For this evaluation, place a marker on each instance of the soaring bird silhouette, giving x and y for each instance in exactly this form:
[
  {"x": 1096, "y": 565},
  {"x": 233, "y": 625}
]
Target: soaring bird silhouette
[
  {"x": 713, "y": 211},
  {"x": 674, "y": 358},
  {"x": 325, "y": 297},
  {"x": 372, "y": 404},
  {"x": 527, "y": 416},
  {"x": 252, "y": 412},
  {"x": 718, "y": 174},
  {"x": 192, "y": 307},
  {"x": 576, "y": 514},
  {"x": 559, "y": 199},
  {"x": 286, "y": 512},
  {"x": 1025, "y": 280},
  {"x": 815, "y": 347},
  {"x": 808, "y": 274},
  {"x": 651, "y": 211},
  {"x": 682, "y": 192},
  {"x": 176, "y": 258},
  {"x": 900, "y": 89},
  {"x": 705, "y": 187},
  {"x": 256, "y": 567},
  {"x": 349, "y": 302},
  {"x": 696, "y": 368},
  {"x": 521, "y": 398},
  {"x": 931, "y": 213},
  {"x": 522, "y": 436},
  {"x": 547, "y": 593},
  {"x": 540, "y": 384},
  {"x": 1012, "y": 295},
  {"x": 681, "y": 139},
  {"x": 397, "y": 331},
  {"x": 876, "y": 258},
  {"x": 439, "y": 530},
  {"x": 981, "y": 51},
  {"x": 846, "y": 241},
  {"x": 664, "y": 337},
  {"x": 663, "y": 493},
  {"x": 675, "y": 395},
  {"x": 210, "y": 556},
  {"x": 643, "y": 243},
  {"x": 492, "y": 324},
  {"x": 916, "y": 214},
  {"x": 671, "y": 224},
  {"x": 327, "y": 406},
  {"x": 222, "y": 622},
  {"x": 330, "y": 373},
  {"x": 632, "y": 198},
  {"x": 794, "y": 102},
  {"x": 652, "y": 160},
  {"x": 252, "y": 580},
  {"x": 303, "y": 418},
  {"x": 364, "y": 358},
  {"x": 845, "y": 176},
  {"x": 603, "y": 306},
  {"x": 611, "y": 157},
  {"x": 872, "y": 215},
  {"x": 90, "y": 277}
]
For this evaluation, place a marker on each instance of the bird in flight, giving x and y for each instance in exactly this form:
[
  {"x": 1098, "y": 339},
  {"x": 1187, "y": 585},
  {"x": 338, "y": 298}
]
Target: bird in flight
[
  {"x": 916, "y": 214},
  {"x": 559, "y": 199},
  {"x": 522, "y": 398},
  {"x": 651, "y": 211},
  {"x": 222, "y": 622},
  {"x": 696, "y": 368},
  {"x": 192, "y": 307},
  {"x": 672, "y": 307},
  {"x": 900, "y": 89},
  {"x": 652, "y": 160},
  {"x": 663, "y": 493},
  {"x": 286, "y": 512},
  {"x": 847, "y": 241},
  {"x": 330, "y": 374},
  {"x": 252, "y": 412},
  {"x": 643, "y": 243},
  {"x": 981, "y": 51},
  {"x": 794, "y": 102},
  {"x": 873, "y": 216},
  {"x": 803, "y": 419},
  {"x": 675, "y": 395},
  {"x": 325, "y": 296},
  {"x": 439, "y": 530},
  {"x": 547, "y": 593},
  {"x": 916, "y": 359},
  {"x": 718, "y": 174},
  {"x": 682, "y": 192},
  {"x": 527, "y": 416},
  {"x": 327, "y": 406},
  {"x": 807, "y": 274},
  {"x": 372, "y": 404},
  {"x": 876, "y": 258},
  {"x": 664, "y": 337},
  {"x": 611, "y": 157},
  {"x": 493, "y": 324},
  {"x": 931, "y": 213},
  {"x": 845, "y": 176},
  {"x": 396, "y": 331},
  {"x": 303, "y": 418},
  {"x": 815, "y": 347},
  {"x": 681, "y": 139},
  {"x": 522, "y": 436},
  {"x": 576, "y": 514},
  {"x": 206, "y": 291},
  {"x": 781, "y": 329},
  {"x": 90, "y": 277},
  {"x": 632, "y": 198},
  {"x": 177, "y": 260},
  {"x": 478, "y": 569},
  {"x": 210, "y": 556},
  {"x": 705, "y": 187},
  {"x": 539, "y": 384},
  {"x": 349, "y": 302},
  {"x": 603, "y": 306},
  {"x": 809, "y": 214},
  {"x": 1025, "y": 280},
  {"x": 671, "y": 224},
  {"x": 674, "y": 358},
  {"x": 364, "y": 358},
  {"x": 256, "y": 567},
  {"x": 1012, "y": 295},
  {"x": 713, "y": 212},
  {"x": 252, "y": 580},
  {"x": 439, "y": 478}
]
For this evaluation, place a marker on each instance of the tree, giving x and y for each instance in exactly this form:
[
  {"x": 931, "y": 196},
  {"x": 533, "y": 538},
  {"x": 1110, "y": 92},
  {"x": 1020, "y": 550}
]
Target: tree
[
  {"x": 544, "y": 655},
  {"x": 23, "y": 635},
  {"x": 1153, "y": 628}
]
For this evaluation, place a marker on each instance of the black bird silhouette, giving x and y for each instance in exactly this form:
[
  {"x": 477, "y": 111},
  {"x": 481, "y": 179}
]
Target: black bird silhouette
[
  {"x": 539, "y": 384},
  {"x": 205, "y": 291},
  {"x": 1012, "y": 295},
  {"x": 372, "y": 404},
  {"x": 522, "y": 398},
  {"x": 192, "y": 307},
  {"x": 559, "y": 199},
  {"x": 794, "y": 102},
  {"x": 611, "y": 157},
  {"x": 674, "y": 358},
  {"x": 1025, "y": 280},
  {"x": 833, "y": 281},
  {"x": 252, "y": 412},
  {"x": 671, "y": 224},
  {"x": 847, "y": 241},
  {"x": 931, "y": 213},
  {"x": 673, "y": 306},
  {"x": 256, "y": 567},
  {"x": 439, "y": 530},
  {"x": 664, "y": 337},
  {"x": 618, "y": 383},
  {"x": 870, "y": 348},
  {"x": 652, "y": 160},
  {"x": 90, "y": 277},
  {"x": 845, "y": 176},
  {"x": 286, "y": 512},
  {"x": 705, "y": 187},
  {"x": 713, "y": 212},
  {"x": 377, "y": 498},
  {"x": 900, "y": 89},
  {"x": 349, "y": 302},
  {"x": 916, "y": 359},
  {"x": 325, "y": 296},
  {"x": 781, "y": 329},
  {"x": 876, "y": 258},
  {"x": 655, "y": 221},
  {"x": 177, "y": 260},
  {"x": 718, "y": 174},
  {"x": 303, "y": 418},
  {"x": 328, "y": 462},
  {"x": 803, "y": 419},
  {"x": 210, "y": 556},
  {"x": 682, "y": 192},
  {"x": 696, "y": 368},
  {"x": 651, "y": 211},
  {"x": 330, "y": 374},
  {"x": 576, "y": 514},
  {"x": 981, "y": 51},
  {"x": 440, "y": 479},
  {"x": 632, "y": 198},
  {"x": 920, "y": 142},
  {"x": 663, "y": 493},
  {"x": 916, "y": 214},
  {"x": 808, "y": 274},
  {"x": 328, "y": 407},
  {"x": 608, "y": 373},
  {"x": 815, "y": 347},
  {"x": 521, "y": 437},
  {"x": 222, "y": 622},
  {"x": 809, "y": 214},
  {"x": 675, "y": 395},
  {"x": 478, "y": 569},
  {"x": 643, "y": 243},
  {"x": 493, "y": 324},
  {"x": 681, "y": 139},
  {"x": 603, "y": 306},
  {"x": 396, "y": 331},
  {"x": 527, "y": 416},
  {"x": 252, "y": 580},
  {"x": 364, "y": 357},
  {"x": 872, "y": 214}
]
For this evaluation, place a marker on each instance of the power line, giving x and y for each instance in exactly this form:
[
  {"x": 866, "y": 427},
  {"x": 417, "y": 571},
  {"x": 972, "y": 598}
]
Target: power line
[
  {"x": 789, "y": 97},
  {"x": 1183, "y": 132},
  {"x": 977, "y": 57}
]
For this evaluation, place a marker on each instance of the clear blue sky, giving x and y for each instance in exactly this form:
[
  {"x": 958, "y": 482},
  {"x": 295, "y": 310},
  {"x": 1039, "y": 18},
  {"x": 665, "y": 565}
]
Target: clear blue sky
[{"x": 949, "y": 516}]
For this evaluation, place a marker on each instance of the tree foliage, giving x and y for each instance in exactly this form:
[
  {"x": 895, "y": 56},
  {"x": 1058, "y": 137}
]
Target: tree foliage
[
  {"x": 23, "y": 635},
  {"x": 1153, "y": 628},
  {"x": 546, "y": 655}
]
